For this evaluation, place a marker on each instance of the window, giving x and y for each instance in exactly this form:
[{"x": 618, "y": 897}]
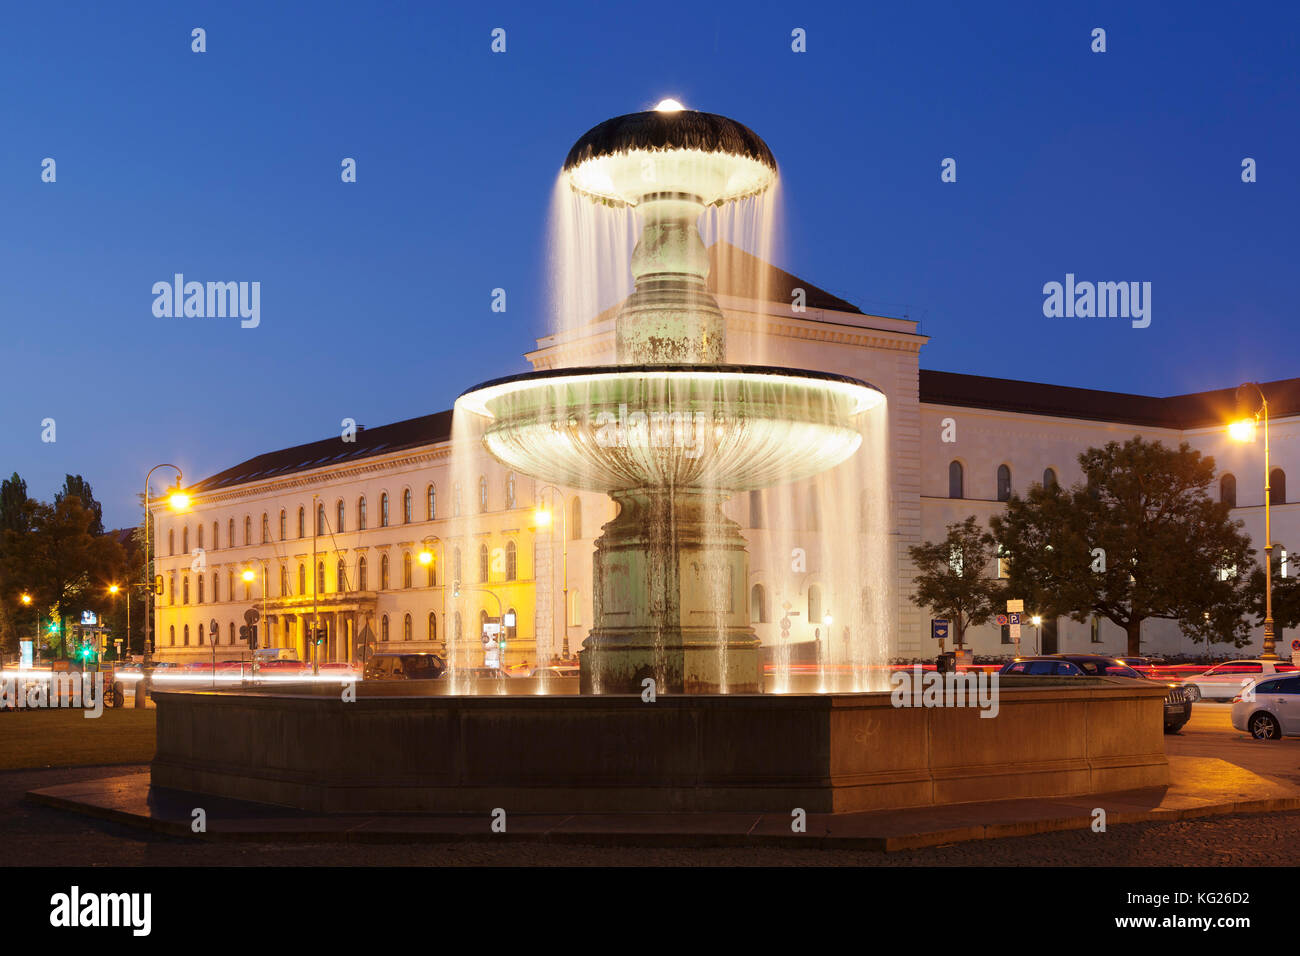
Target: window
[
  {"x": 755, "y": 509},
  {"x": 757, "y": 605},
  {"x": 230, "y": 533},
  {"x": 320, "y": 577},
  {"x": 512, "y": 561},
  {"x": 187, "y": 635},
  {"x": 230, "y": 585},
  {"x": 510, "y": 490},
  {"x": 199, "y": 534},
  {"x": 361, "y": 573},
  {"x": 406, "y": 506},
  {"x": 284, "y": 581},
  {"x": 483, "y": 562},
  {"x": 320, "y": 518},
  {"x": 185, "y": 540},
  {"x": 171, "y": 541},
  {"x": 341, "y": 577},
  {"x": 171, "y": 588},
  {"x": 1277, "y": 487},
  {"x": 302, "y": 578},
  {"x": 575, "y": 519},
  {"x": 956, "y": 480},
  {"x": 383, "y": 628},
  {"x": 1049, "y": 478},
  {"x": 342, "y": 511},
  {"x": 266, "y": 528},
  {"x": 199, "y": 580},
  {"x": 248, "y": 530},
  {"x": 198, "y": 632},
  {"x": 216, "y": 545},
  {"x": 1228, "y": 490},
  {"x": 361, "y": 513},
  {"x": 406, "y": 627},
  {"x": 482, "y": 493},
  {"x": 216, "y": 588},
  {"x": 433, "y": 626},
  {"x": 302, "y": 522},
  {"x": 1005, "y": 630},
  {"x": 432, "y": 504},
  {"x": 1004, "y": 563},
  {"x": 1094, "y": 630},
  {"x": 171, "y": 635},
  {"x": 1004, "y": 483},
  {"x": 284, "y": 525},
  {"x": 383, "y": 573},
  {"x": 383, "y": 510},
  {"x": 185, "y": 589},
  {"x": 232, "y": 632},
  {"x": 406, "y": 569},
  {"x": 248, "y": 591},
  {"x": 814, "y": 605},
  {"x": 431, "y": 574},
  {"x": 457, "y": 574}
]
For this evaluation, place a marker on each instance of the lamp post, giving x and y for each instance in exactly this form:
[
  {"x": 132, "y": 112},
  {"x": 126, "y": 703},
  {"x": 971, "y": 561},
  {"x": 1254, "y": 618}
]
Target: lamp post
[
  {"x": 1243, "y": 430},
  {"x": 1037, "y": 621},
  {"x": 177, "y": 501},
  {"x": 425, "y": 557},
  {"x": 544, "y": 518}
]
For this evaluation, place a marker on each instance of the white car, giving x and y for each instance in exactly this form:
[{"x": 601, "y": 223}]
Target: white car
[
  {"x": 1225, "y": 681},
  {"x": 1269, "y": 709}
]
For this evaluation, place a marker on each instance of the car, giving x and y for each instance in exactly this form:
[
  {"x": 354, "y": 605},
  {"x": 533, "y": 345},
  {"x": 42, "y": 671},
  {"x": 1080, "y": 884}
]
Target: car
[
  {"x": 1177, "y": 706},
  {"x": 1225, "y": 681},
  {"x": 1269, "y": 709},
  {"x": 482, "y": 673},
  {"x": 414, "y": 666},
  {"x": 555, "y": 670}
]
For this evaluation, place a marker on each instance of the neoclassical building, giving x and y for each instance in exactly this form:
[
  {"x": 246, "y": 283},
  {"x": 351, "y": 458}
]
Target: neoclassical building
[{"x": 365, "y": 534}]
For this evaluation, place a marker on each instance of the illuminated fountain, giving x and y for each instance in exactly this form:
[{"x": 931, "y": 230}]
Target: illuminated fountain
[{"x": 670, "y": 431}]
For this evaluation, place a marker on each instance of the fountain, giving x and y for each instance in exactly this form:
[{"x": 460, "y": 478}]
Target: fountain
[{"x": 670, "y": 431}]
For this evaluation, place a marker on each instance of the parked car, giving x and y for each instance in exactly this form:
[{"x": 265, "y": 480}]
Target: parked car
[
  {"x": 1178, "y": 706},
  {"x": 484, "y": 673},
  {"x": 1225, "y": 681},
  {"x": 1271, "y": 710},
  {"x": 417, "y": 666},
  {"x": 555, "y": 670}
]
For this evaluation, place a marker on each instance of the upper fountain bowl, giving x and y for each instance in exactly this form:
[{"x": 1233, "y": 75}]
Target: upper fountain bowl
[{"x": 700, "y": 155}]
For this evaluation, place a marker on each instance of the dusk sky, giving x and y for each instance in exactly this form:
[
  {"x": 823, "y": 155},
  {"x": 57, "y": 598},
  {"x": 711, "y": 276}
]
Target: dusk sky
[{"x": 376, "y": 296}]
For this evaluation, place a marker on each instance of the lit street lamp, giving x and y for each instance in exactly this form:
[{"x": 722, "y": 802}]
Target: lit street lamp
[
  {"x": 425, "y": 557},
  {"x": 177, "y": 500},
  {"x": 1243, "y": 430}
]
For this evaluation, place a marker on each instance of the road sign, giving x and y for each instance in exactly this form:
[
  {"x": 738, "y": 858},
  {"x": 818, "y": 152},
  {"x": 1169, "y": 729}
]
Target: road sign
[
  {"x": 1015, "y": 606},
  {"x": 1015, "y": 632},
  {"x": 1295, "y": 645},
  {"x": 1002, "y": 620},
  {"x": 939, "y": 629},
  {"x": 1013, "y": 620}
]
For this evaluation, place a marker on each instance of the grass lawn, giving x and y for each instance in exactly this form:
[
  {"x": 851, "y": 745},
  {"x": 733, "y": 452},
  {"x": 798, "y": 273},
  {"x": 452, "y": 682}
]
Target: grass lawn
[{"x": 65, "y": 738}]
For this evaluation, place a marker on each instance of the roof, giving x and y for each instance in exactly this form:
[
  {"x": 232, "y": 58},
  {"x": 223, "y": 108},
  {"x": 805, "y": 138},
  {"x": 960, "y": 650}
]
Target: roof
[
  {"x": 1195, "y": 410},
  {"x": 735, "y": 272}
]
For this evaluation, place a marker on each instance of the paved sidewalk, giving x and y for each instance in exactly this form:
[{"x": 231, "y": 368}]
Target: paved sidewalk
[{"x": 1202, "y": 787}]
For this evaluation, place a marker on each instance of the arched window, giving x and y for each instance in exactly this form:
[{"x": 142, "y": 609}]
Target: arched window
[
  {"x": 199, "y": 579},
  {"x": 383, "y": 573},
  {"x": 185, "y": 589},
  {"x": 406, "y": 569},
  {"x": 284, "y": 524},
  {"x": 342, "y": 513},
  {"x": 198, "y": 532},
  {"x": 575, "y": 519},
  {"x": 248, "y": 530},
  {"x": 406, "y": 506},
  {"x": 510, "y": 490},
  {"x": 185, "y": 540},
  {"x": 512, "y": 561},
  {"x": 320, "y": 518},
  {"x": 361, "y": 573},
  {"x": 198, "y": 632},
  {"x": 1004, "y": 483},
  {"x": 266, "y": 528},
  {"x": 956, "y": 480},
  {"x": 187, "y": 635},
  {"x": 1277, "y": 487},
  {"x": 171, "y": 588},
  {"x": 431, "y": 574},
  {"x": 230, "y": 585},
  {"x": 248, "y": 591},
  {"x": 431, "y": 504},
  {"x": 383, "y": 510},
  {"x": 171, "y": 541},
  {"x": 383, "y": 628},
  {"x": 216, "y": 588},
  {"x": 320, "y": 577},
  {"x": 230, "y": 533},
  {"x": 1049, "y": 478},
  {"x": 302, "y": 578},
  {"x": 406, "y": 627},
  {"x": 433, "y": 626},
  {"x": 755, "y": 509},
  {"x": 341, "y": 577},
  {"x": 482, "y": 493},
  {"x": 456, "y": 569},
  {"x": 483, "y": 562},
  {"x": 171, "y": 635},
  {"x": 814, "y": 605},
  {"x": 1228, "y": 490},
  {"x": 284, "y": 581},
  {"x": 361, "y": 513},
  {"x": 216, "y": 542},
  {"x": 302, "y": 522},
  {"x": 757, "y": 605}
]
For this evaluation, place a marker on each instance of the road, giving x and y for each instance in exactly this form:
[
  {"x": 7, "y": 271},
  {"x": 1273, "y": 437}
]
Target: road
[{"x": 1210, "y": 734}]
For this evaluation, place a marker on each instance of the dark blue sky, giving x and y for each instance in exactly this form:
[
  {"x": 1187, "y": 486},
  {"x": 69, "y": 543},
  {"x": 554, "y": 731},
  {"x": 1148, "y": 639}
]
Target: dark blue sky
[{"x": 376, "y": 296}]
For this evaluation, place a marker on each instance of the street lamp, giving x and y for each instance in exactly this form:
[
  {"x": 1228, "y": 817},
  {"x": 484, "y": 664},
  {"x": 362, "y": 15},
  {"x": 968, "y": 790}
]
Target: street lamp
[
  {"x": 1037, "y": 621},
  {"x": 1243, "y": 430},
  {"x": 425, "y": 557},
  {"x": 178, "y": 500},
  {"x": 543, "y": 518}
]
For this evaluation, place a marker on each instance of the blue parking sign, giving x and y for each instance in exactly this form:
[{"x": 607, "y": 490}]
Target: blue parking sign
[{"x": 939, "y": 629}]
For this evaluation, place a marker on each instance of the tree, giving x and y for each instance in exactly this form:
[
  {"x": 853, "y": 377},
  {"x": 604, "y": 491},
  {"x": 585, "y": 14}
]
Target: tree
[
  {"x": 74, "y": 486},
  {"x": 951, "y": 578},
  {"x": 1139, "y": 538},
  {"x": 1286, "y": 595},
  {"x": 14, "y": 511}
]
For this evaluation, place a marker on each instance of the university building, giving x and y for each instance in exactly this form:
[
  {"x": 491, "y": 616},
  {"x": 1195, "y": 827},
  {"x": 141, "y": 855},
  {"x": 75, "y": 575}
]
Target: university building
[{"x": 364, "y": 536}]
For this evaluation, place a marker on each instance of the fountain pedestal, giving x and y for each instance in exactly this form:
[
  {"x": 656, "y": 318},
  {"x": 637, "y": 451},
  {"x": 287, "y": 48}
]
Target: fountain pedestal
[{"x": 670, "y": 575}]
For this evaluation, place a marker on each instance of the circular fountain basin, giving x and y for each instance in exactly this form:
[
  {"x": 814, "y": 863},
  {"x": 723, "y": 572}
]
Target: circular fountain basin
[{"x": 725, "y": 427}]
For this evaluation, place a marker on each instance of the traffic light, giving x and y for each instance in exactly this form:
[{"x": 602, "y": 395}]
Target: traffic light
[
  {"x": 249, "y": 633},
  {"x": 158, "y": 585},
  {"x": 319, "y": 635}
]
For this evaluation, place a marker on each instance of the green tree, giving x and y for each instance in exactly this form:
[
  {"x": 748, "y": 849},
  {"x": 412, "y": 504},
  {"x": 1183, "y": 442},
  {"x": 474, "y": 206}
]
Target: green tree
[
  {"x": 951, "y": 578},
  {"x": 15, "y": 513},
  {"x": 1140, "y": 537},
  {"x": 1286, "y": 596},
  {"x": 74, "y": 486}
]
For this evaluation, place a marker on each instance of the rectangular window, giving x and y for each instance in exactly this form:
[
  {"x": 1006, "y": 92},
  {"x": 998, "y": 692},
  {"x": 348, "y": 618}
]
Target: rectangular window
[
  {"x": 1006, "y": 634},
  {"x": 1095, "y": 630}
]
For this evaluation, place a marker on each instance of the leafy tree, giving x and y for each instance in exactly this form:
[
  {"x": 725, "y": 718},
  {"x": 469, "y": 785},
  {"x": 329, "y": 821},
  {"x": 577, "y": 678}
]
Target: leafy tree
[
  {"x": 74, "y": 486},
  {"x": 14, "y": 512},
  {"x": 1139, "y": 538},
  {"x": 1286, "y": 595},
  {"x": 951, "y": 577}
]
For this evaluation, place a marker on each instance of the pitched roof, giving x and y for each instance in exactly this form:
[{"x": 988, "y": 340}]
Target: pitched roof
[
  {"x": 734, "y": 272},
  {"x": 1194, "y": 410}
]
